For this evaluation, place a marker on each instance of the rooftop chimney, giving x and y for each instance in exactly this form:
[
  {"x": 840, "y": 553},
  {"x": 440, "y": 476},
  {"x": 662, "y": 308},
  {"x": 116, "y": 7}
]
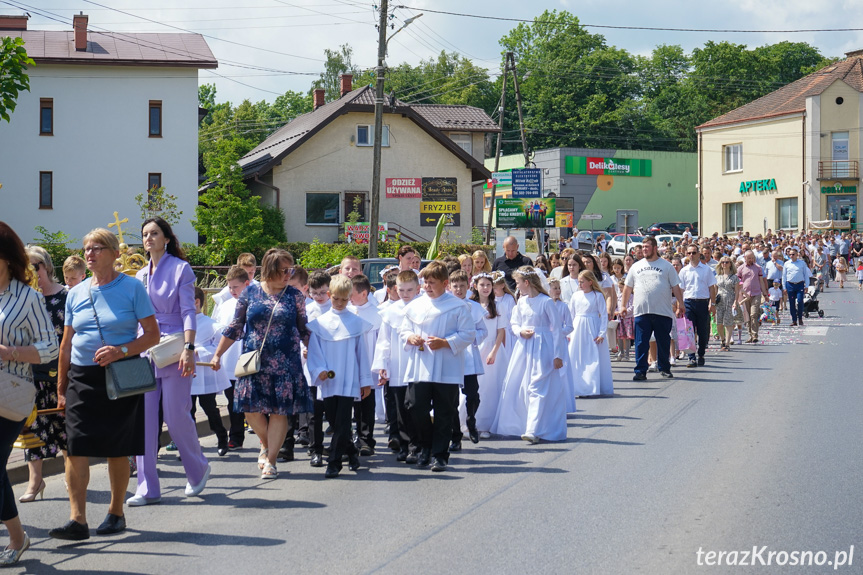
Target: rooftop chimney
[
  {"x": 854, "y": 53},
  {"x": 319, "y": 97},
  {"x": 347, "y": 83},
  {"x": 13, "y": 22},
  {"x": 79, "y": 25}
]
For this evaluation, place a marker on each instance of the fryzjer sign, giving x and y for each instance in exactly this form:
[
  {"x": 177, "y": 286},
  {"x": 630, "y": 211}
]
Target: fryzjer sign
[
  {"x": 758, "y": 186},
  {"x": 404, "y": 187},
  {"x": 439, "y": 196},
  {"x": 525, "y": 212},
  {"x": 581, "y": 165}
]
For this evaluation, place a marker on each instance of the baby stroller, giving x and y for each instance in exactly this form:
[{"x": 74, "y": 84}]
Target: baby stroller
[{"x": 810, "y": 300}]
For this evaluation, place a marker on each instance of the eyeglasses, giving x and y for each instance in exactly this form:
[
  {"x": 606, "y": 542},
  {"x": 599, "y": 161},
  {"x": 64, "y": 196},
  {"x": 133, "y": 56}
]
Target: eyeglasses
[
  {"x": 36, "y": 265},
  {"x": 94, "y": 250},
  {"x": 692, "y": 253},
  {"x": 287, "y": 271}
]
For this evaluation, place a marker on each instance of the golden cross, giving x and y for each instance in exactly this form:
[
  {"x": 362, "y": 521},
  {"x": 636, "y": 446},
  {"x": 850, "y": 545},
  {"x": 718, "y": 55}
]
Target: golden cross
[{"x": 117, "y": 222}]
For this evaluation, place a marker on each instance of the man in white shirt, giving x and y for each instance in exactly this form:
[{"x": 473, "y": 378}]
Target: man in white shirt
[{"x": 699, "y": 299}]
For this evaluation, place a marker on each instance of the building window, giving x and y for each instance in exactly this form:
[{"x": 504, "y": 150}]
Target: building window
[
  {"x": 366, "y": 135},
  {"x": 46, "y": 116},
  {"x": 322, "y": 208},
  {"x": 787, "y": 216},
  {"x": 463, "y": 141},
  {"x": 155, "y": 118},
  {"x": 733, "y": 155},
  {"x": 46, "y": 190},
  {"x": 154, "y": 182},
  {"x": 733, "y": 217}
]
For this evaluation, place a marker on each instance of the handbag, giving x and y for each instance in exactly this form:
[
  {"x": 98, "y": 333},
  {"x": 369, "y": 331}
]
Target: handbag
[
  {"x": 168, "y": 350},
  {"x": 125, "y": 377},
  {"x": 249, "y": 363},
  {"x": 17, "y": 396}
]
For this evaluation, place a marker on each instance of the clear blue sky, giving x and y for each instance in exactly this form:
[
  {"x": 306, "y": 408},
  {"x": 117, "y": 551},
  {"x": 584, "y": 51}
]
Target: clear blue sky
[{"x": 291, "y": 36}]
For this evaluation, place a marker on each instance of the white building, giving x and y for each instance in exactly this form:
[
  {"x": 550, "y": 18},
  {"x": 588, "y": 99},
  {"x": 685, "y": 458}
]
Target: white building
[{"x": 108, "y": 116}]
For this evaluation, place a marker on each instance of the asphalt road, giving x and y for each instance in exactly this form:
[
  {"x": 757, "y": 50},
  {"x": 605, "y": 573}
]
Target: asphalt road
[{"x": 761, "y": 447}]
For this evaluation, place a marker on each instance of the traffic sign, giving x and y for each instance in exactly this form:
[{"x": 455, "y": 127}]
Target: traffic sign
[
  {"x": 500, "y": 179},
  {"x": 591, "y": 216}
]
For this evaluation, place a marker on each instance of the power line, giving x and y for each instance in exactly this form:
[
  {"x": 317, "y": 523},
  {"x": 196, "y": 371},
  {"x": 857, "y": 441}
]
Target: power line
[{"x": 649, "y": 28}]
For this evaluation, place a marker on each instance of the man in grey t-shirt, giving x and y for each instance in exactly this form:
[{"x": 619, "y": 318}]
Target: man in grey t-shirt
[{"x": 652, "y": 280}]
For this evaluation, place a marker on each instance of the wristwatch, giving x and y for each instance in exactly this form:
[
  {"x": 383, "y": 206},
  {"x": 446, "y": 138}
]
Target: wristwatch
[
  {"x": 125, "y": 350},
  {"x": 189, "y": 346}
]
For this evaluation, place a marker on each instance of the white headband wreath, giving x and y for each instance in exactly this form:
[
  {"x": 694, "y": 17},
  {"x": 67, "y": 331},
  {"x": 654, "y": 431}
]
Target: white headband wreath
[
  {"x": 484, "y": 275},
  {"x": 530, "y": 272},
  {"x": 387, "y": 270}
]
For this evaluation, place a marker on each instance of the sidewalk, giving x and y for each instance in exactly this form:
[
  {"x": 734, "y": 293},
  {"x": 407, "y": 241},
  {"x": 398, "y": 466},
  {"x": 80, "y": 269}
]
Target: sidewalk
[{"x": 17, "y": 467}]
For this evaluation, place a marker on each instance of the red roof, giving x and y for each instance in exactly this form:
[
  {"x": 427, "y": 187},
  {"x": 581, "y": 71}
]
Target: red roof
[
  {"x": 117, "y": 48},
  {"x": 791, "y": 98}
]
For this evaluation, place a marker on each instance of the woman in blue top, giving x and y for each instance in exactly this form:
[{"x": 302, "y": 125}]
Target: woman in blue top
[{"x": 95, "y": 425}]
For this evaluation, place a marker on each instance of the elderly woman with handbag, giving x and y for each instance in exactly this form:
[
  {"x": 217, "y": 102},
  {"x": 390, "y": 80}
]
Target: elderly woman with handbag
[
  {"x": 26, "y": 337},
  {"x": 170, "y": 284},
  {"x": 271, "y": 320},
  {"x": 99, "y": 357}
]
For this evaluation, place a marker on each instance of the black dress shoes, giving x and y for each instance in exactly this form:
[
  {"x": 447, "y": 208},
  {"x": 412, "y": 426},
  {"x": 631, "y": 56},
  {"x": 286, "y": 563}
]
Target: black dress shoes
[
  {"x": 72, "y": 531},
  {"x": 438, "y": 465},
  {"x": 353, "y": 462},
  {"x": 394, "y": 444},
  {"x": 473, "y": 434},
  {"x": 424, "y": 459},
  {"x": 112, "y": 524},
  {"x": 455, "y": 446},
  {"x": 317, "y": 460},
  {"x": 411, "y": 457},
  {"x": 332, "y": 471}
]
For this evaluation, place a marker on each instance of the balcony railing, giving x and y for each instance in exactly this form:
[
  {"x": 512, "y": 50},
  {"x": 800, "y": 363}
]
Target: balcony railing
[{"x": 838, "y": 170}]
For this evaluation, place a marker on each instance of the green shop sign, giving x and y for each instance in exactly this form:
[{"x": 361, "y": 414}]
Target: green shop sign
[
  {"x": 581, "y": 165},
  {"x": 758, "y": 186},
  {"x": 838, "y": 188}
]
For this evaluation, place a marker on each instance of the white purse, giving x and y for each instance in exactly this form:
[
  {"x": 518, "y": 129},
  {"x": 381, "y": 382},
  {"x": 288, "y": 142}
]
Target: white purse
[
  {"x": 249, "y": 363},
  {"x": 168, "y": 350},
  {"x": 17, "y": 396}
]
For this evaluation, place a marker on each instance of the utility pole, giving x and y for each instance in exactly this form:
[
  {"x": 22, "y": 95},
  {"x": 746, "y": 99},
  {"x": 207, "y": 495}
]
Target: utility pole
[
  {"x": 379, "y": 128},
  {"x": 500, "y": 110}
]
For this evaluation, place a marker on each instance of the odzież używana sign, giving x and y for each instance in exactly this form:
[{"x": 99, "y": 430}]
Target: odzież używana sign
[
  {"x": 525, "y": 212},
  {"x": 527, "y": 183},
  {"x": 758, "y": 186},
  {"x": 581, "y": 165},
  {"x": 404, "y": 188},
  {"x": 358, "y": 233},
  {"x": 430, "y": 213}
]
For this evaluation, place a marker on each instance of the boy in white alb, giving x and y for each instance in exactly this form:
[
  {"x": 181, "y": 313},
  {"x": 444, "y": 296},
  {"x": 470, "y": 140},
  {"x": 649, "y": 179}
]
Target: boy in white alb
[
  {"x": 247, "y": 262},
  {"x": 339, "y": 363},
  {"x": 237, "y": 279},
  {"x": 364, "y": 410},
  {"x": 473, "y": 363},
  {"x": 313, "y": 423},
  {"x": 436, "y": 330},
  {"x": 390, "y": 363}
]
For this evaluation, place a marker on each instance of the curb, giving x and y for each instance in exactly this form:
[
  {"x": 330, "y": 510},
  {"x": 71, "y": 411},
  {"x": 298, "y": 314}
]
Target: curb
[{"x": 19, "y": 473}]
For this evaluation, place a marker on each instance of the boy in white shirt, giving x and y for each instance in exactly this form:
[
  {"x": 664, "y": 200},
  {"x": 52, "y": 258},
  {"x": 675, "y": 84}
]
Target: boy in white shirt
[
  {"x": 249, "y": 263},
  {"x": 312, "y": 424},
  {"x": 458, "y": 282},
  {"x": 390, "y": 362},
  {"x": 238, "y": 280},
  {"x": 338, "y": 360},
  {"x": 436, "y": 330},
  {"x": 364, "y": 410},
  {"x": 775, "y": 295}
]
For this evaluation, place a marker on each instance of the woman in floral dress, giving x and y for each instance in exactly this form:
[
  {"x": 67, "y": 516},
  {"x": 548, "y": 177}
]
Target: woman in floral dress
[
  {"x": 49, "y": 428},
  {"x": 728, "y": 294},
  {"x": 279, "y": 389}
]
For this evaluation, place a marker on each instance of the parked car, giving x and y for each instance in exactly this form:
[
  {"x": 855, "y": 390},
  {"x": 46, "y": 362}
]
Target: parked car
[
  {"x": 670, "y": 228},
  {"x": 584, "y": 240},
  {"x": 616, "y": 245},
  {"x": 372, "y": 268},
  {"x": 668, "y": 238}
]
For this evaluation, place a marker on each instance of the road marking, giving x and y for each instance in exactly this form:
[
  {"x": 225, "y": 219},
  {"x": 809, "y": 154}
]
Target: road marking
[{"x": 819, "y": 331}]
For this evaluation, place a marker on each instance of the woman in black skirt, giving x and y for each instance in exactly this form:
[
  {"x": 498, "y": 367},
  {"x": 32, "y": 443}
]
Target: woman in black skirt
[{"x": 95, "y": 425}]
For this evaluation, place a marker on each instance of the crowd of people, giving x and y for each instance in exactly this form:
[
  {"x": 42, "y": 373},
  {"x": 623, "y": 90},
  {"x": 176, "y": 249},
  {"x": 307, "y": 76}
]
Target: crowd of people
[{"x": 463, "y": 346}]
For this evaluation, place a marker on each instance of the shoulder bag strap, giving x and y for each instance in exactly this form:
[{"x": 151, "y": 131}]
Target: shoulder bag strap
[
  {"x": 272, "y": 313},
  {"x": 96, "y": 315}
]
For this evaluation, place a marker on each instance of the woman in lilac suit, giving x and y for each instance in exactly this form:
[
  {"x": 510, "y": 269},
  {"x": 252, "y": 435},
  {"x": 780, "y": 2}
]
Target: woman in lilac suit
[{"x": 170, "y": 283}]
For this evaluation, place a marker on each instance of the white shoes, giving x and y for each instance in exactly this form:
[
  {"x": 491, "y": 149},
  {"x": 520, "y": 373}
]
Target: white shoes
[
  {"x": 485, "y": 435},
  {"x": 140, "y": 501},
  {"x": 653, "y": 367},
  {"x": 195, "y": 490},
  {"x": 11, "y": 556},
  {"x": 530, "y": 438}
]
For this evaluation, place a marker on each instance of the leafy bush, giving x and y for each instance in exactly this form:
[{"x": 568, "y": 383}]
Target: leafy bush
[
  {"x": 56, "y": 244},
  {"x": 321, "y": 255}
]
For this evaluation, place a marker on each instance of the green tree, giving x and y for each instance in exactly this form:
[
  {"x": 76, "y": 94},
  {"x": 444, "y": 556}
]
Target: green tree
[
  {"x": 158, "y": 202},
  {"x": 13, "y": 73},
  {"x": 337, "y": 62}
]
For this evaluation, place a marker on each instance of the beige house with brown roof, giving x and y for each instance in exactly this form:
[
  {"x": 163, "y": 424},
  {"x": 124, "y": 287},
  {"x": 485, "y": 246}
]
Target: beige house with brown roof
[
  {"x": 318, "y": 167},
  {"x": 789, "y": 160}
]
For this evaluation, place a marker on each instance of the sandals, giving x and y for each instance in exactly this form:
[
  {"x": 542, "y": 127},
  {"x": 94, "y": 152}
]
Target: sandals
[
  {"x": 269, "y": 472},
  {"x": 263, "y": 458}
]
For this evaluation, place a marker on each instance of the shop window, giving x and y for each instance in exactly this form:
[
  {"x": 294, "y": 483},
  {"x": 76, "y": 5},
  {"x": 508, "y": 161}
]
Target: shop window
[
  {"x": 787, "y": 213},
  {"x": 733, "y": 155},
  {"x": 463, "y": 141},
  {"x": 155, "y": 118},
  {"x": 734, "y": 217},
  {"x": 46, "y": 190},
  {"x": 366, "y": 135},
  {"x": 322, "y": 208},
  {"x": 46, "y": 117}
]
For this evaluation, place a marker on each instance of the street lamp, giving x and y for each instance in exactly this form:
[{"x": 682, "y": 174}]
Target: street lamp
[{"x": 383, "y": 43}]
